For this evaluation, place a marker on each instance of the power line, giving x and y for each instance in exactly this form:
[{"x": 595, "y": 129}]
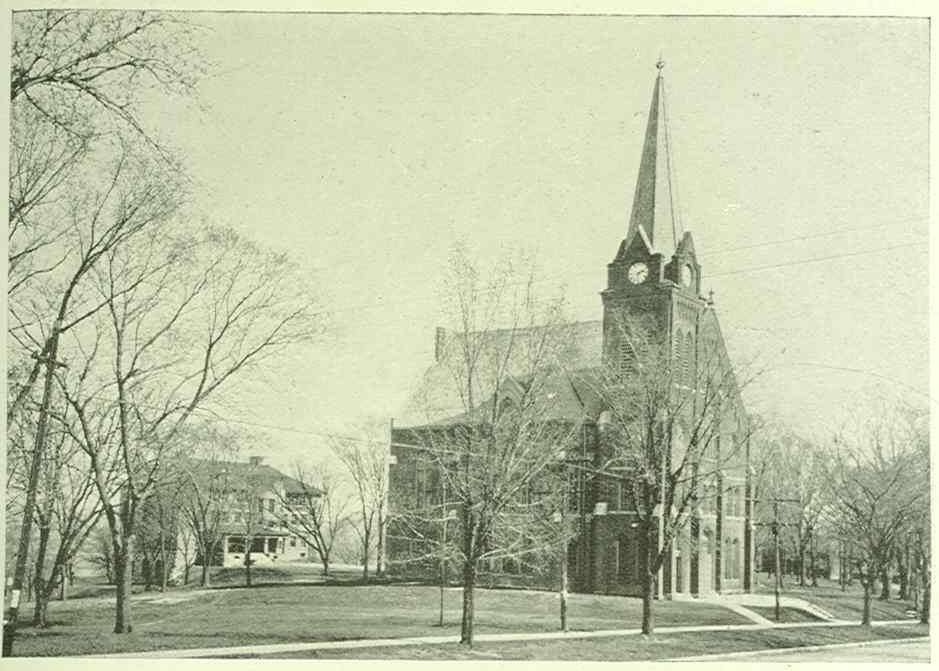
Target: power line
[
  {"x": 816, "y": 259},
  {"x": 425, "y": 299}
]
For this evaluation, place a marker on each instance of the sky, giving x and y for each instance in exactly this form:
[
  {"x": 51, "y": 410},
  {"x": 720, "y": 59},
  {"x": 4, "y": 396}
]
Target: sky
[{"x": 366, "y": 145}]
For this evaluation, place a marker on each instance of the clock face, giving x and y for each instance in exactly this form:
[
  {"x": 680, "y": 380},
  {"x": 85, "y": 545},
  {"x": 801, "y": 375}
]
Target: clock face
[
  {"x": 686, "y": 275},
  {"x": 638, "y": 272}
]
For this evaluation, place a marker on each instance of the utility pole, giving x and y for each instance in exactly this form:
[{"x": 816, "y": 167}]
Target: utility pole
[{"x": 48, "y": 357}]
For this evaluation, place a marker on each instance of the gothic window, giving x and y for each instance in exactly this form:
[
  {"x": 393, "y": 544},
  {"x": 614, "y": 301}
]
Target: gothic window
[
  {"x": 627, "y": 356},
  {"x": 677, "y": 358},
  {"x": 687, "y": 361}
]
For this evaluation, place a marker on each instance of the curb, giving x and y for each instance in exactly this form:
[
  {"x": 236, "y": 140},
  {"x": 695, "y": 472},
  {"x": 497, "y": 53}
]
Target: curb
[{"x": 797, "y": 648}]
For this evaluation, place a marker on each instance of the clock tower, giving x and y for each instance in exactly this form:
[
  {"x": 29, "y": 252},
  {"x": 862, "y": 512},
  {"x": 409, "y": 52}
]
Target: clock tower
[{"x": 655, "y": 273}]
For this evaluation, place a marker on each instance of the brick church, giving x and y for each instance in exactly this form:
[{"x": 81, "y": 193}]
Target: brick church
[{"x": 655, "y": 270}]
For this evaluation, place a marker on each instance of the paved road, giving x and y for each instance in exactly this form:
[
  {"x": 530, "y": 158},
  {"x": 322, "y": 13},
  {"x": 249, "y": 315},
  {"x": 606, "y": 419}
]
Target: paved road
[{"x": 911, "y": 651}]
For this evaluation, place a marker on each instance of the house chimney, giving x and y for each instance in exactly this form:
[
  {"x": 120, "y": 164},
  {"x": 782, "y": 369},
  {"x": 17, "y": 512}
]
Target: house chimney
[
  {"x": 255, "y": 461},
  {"x": 440, "y": 338}
]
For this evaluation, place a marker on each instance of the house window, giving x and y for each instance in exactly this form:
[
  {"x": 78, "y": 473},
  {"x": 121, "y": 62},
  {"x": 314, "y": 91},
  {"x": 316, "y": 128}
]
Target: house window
[
  {"x": 236, "y": 544},
  {"x": 293, "y": 542},
  {"x": 272, "y": 546},
  {"x": 270, "y": 506},
  {"x": 257, "y": 544}
]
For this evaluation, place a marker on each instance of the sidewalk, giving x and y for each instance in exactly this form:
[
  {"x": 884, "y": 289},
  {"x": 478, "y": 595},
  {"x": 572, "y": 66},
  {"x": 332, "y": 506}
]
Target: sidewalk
[{"x": 482, "y": 638}]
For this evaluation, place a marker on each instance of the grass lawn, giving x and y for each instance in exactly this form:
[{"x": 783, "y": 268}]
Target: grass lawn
[
  {"x": 300, "y": 612},
  {"x": 845, "y": 605},
  {"x": 626, "y": 648}
]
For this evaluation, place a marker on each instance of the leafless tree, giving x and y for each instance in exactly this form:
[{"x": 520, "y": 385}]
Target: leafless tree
[
  {"x": 502, "y": 367},
  {"x": 185, "y": 316},
  {"x": 672, "y": 428},
  {"x": 75, "y": 83},
  {"x": 206, "y": 482},
  {"x": 246, "y": 489},
  {"x": 100, "y": 553},
  {"x": 67, "y": 508},
  {"x": 877, "y": 479},
  {"x": 318, "y": 513},
  {"x": 797, "y": 472},
  {"x": 366, "y": 461},
  {"x": 73, "y": 66}
]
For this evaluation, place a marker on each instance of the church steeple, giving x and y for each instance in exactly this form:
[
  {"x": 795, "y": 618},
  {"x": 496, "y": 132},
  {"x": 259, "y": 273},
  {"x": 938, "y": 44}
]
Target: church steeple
[{"x": 654, "y": 210}]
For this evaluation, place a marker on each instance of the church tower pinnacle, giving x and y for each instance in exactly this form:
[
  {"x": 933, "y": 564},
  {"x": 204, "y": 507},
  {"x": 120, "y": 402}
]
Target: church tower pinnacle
[{"x": 654, "y": 210}]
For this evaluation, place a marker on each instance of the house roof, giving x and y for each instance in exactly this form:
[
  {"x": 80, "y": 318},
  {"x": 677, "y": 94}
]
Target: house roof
[{"x": 263, "y": 474}]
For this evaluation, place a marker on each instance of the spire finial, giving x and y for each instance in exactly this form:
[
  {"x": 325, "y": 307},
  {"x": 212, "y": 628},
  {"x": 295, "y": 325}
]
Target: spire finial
[{"x": 659, "y": 64}]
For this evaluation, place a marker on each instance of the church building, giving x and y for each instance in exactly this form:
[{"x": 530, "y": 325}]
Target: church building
[{"x": 655, "y": 271}]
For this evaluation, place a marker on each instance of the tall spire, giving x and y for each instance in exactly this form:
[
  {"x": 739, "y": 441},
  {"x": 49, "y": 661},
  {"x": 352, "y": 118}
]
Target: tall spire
[{"x": 654, "y": 203}]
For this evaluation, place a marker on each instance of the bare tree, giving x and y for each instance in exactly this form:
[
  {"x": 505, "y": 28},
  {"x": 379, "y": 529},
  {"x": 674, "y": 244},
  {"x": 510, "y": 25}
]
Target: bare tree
[
  {"x": 74, "y": 86},
  {"x": 502, "y": 367},
  {"x": 877, "y": 477},
  {"x": 672, "y": 429},
  {"x": 314, "y": 509},
  {"x": 73, "y": 66},
  {"x": 366, "y": 462},
  {"x": 797, "y": 472},
  {"x": 101, "y": 554},
  {"x": 206, "y": 482},
  {"x": 246, "y": 489},
  {"x": 184, "y": 318}
]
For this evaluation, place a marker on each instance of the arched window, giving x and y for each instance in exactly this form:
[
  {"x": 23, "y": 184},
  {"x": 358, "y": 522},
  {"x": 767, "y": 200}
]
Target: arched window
[
  {"x": 627, "y": 356},
  {"x": 688, "y": 361},
  {"x": 505, "y": 405}
]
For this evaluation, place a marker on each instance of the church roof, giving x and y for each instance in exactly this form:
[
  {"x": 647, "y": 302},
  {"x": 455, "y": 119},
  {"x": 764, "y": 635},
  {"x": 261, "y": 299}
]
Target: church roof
[
  {"x": 654, "y": 214},
  {"x": 437, "y": 398}
]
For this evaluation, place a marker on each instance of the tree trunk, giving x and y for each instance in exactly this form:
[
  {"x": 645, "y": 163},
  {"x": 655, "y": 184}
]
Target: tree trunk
[
  {"x": 924, "y": 614},
  {"x": 884, "y": 582},
  {"x": 366, "y": 540},
  {"x": 248, "y": 567},
  {"x": 812, "y": 571},
  {"x": 469, "y": 605},
  {"x": 186, "y": 573},
  {"x": 123, "y": 575},
  {"x": 868, "y": 588},
  {"x": 41, "y": 607},
  {"x": 801, "y": 565},
  {"x": 147, "y": 568},
  {"x": 648, "y": 596},
  {"x": 563, "y": 594},
  {"x": 164, "y": 571},
  {"x": 903, "y": 567},
  {"x": 39, "y": 586},
  {"x": 380, "y": 546},
  {"x": 207, "y": 553},
  {"x": 325, "y": 559}
]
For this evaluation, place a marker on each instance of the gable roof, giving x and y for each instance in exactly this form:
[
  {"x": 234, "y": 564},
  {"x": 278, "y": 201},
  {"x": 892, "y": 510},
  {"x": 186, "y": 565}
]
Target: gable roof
[
  {"x": 263, "y": 474},
  {"x": 437, "y": 398}
]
